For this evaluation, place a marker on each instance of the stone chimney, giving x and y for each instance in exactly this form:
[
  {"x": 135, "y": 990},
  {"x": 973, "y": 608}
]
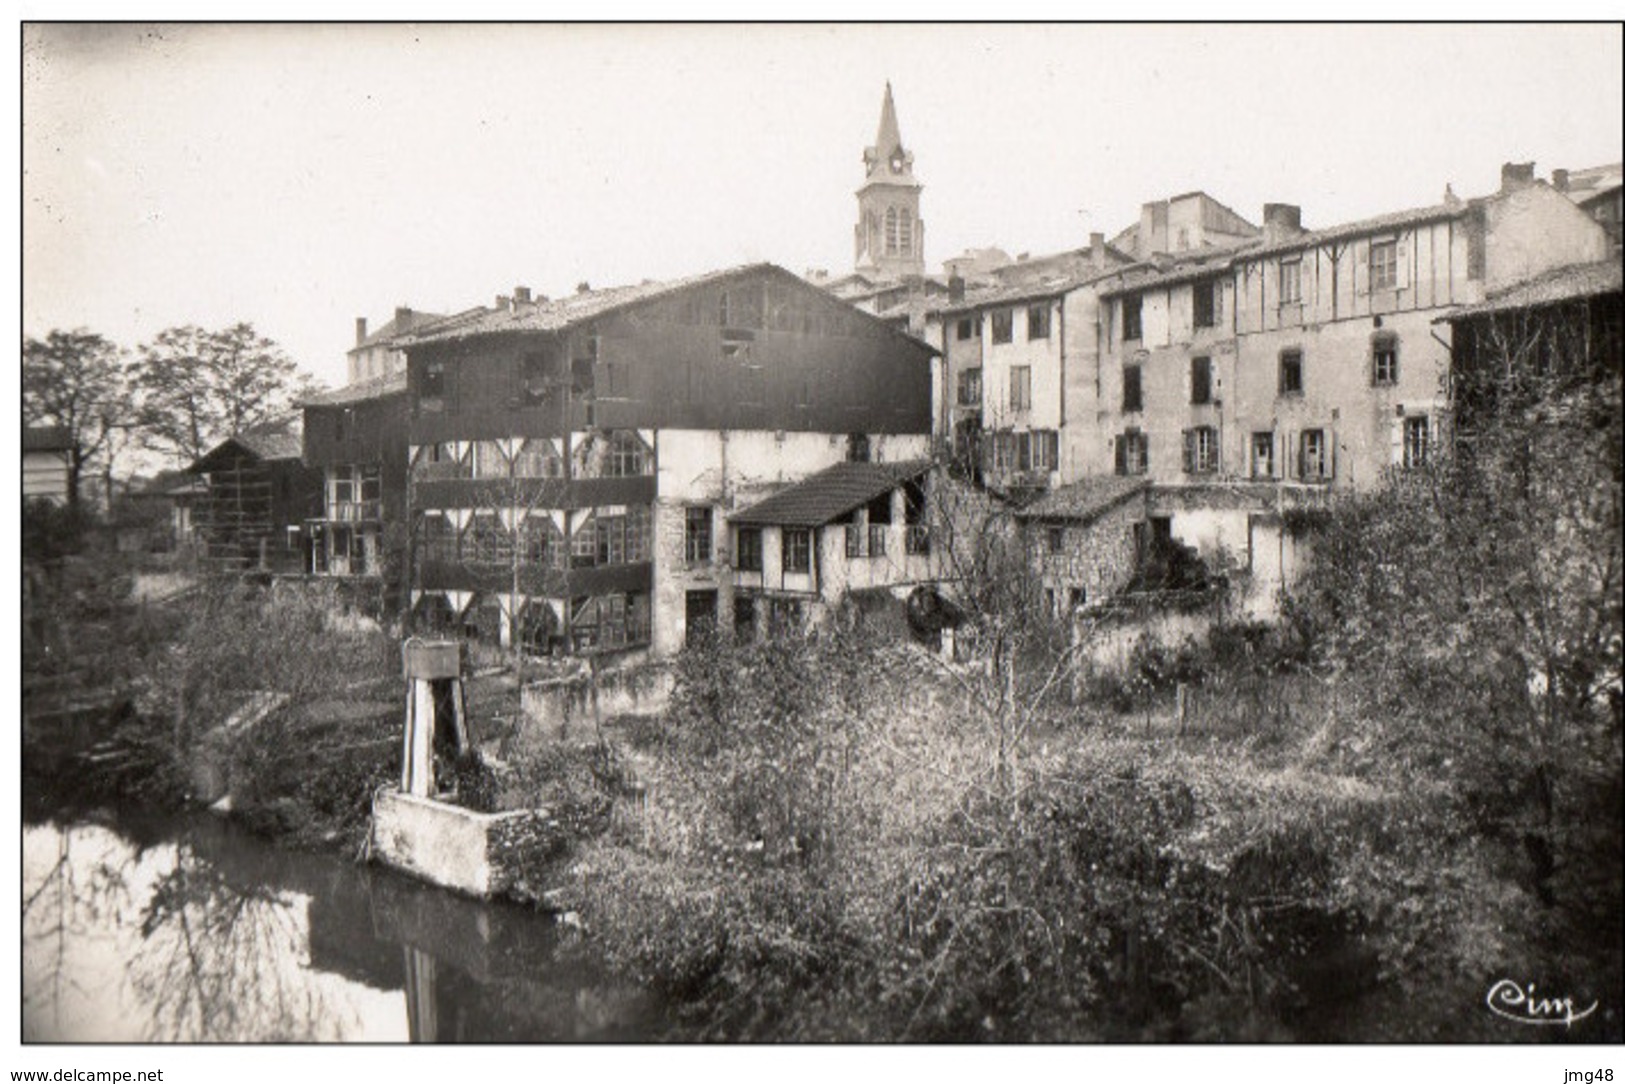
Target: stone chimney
[
  {"x": 583, "y": 287},
  {"x": 1516, "y": 175},
  {"x": 1153, "y": 228},
  {"x": 521, "y": 295},
  {"x": 360, "y": 330},
  {"x": 1560, "y": 179},
  {"x": 1097, "y": 251},
  {"x": 403, "y": 318},
  {"x": 956, "y": 288},
  {"x": 1282, "y": 221},
  {"x": 502, "y": 303}
]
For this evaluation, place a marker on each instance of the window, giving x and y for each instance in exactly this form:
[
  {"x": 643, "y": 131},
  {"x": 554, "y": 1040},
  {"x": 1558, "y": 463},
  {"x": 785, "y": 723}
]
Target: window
[
  {"x": 1384, "y": 265},
  {"x": 489, "y": 460},
  {"x": 538, "y": 458},
  {"x": 1201, "y": 381},
  {"x": 1201, "y": 450},
  {"x": 966, "y": 329},
  {"x": 343, "y": 486},
  {"x": 1056, "y": 537},
  {"x": 1291, "y": 282},
  {"x": 1384, "y": 359},
  {"x": 1004, "y": 452},
  {"x": 857, "y": 447},
  {"x": 1291, "y": 382},
  {"x": 899, "y": 231},
  {"x": 1132, "y": 397},
  {"x": 797, "y": 555},
  {"x": 1076, "y": 597},
  {"x": 699, "y": 613},
  {"x": 1038, "y": 322},
  {"x": 627, "y": 456},
  {"x": 877, "y": 539},
  {"x": 970, "y": 387},
  {"x": 1037, "y": 450},
  {"x": 343, "y": 424},
  {"x": 1131, "y": 319},
  {"x": 1021, "y": 387},
  {"x": 1133, "y": 453},
  {"x": 487, "y": 541},
  {"x": 748, "y": 550},
  {"x": 371, "y": 482},
  {"x": 1205, "y": 303},
  {"x": 1003, "y": 324},
  {"x": 1264, "y": 455},
  {"x": 438, "y": 538},
  {"x": 1313, "y": 464},
  {"x": 697, "y": 535},
  {"x": 1416, "y": 442},
  {"x": 432, "y": 392},
  {"x": 540, "y": 544},
  {"x": 535, "y": 378}
]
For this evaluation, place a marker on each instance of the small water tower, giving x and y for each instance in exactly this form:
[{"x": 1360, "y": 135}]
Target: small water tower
[{"x": 436, "y": 713}]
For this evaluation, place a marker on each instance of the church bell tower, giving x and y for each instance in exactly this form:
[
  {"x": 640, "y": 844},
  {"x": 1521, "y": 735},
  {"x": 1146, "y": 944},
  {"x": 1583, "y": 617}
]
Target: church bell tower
[{"x": 889, "y": 239}]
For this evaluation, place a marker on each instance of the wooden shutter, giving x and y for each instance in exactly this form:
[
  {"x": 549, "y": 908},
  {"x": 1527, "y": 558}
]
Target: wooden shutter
[
  {"x": 1121, "y": 455},
  {"x": 1190, "y": 451}
]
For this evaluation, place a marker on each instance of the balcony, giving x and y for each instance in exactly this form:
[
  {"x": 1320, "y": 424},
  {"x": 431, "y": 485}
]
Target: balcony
[{"x": 441, "y": 472}]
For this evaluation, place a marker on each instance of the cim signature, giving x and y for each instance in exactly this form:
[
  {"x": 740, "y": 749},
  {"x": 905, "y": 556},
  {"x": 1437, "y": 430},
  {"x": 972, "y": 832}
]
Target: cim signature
[{"x": 1519, "y": 1004}]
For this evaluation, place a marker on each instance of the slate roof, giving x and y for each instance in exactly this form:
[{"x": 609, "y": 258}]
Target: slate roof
[
  {"x": 560, "y": 313},
  {"x": 830, "y": 494},
  {"x": 1086, "y": 499},
  {"x": 565, "y": 312},
  {"x": 47, "y": 438},
  {"x": 1551, "y": 288},
  {"x": 378, "y": 387}
]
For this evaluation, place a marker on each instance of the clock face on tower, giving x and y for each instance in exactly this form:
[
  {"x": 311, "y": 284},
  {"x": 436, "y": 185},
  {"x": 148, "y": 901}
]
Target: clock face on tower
[{"x": 897, "y": 163}]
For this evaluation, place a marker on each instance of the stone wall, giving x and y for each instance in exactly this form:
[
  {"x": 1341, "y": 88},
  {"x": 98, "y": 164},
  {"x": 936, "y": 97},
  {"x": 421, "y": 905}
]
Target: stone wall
[{"x": 553, "y": 707}]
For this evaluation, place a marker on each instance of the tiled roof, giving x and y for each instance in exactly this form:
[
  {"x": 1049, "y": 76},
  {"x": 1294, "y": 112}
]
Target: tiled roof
[
  {"x": 47, "y": 438},
  {"x": 830, "y": 494},
  {"x": 1187, "y": 267},
  {"x": 1086, "y": 499},
  {"x": 1031, "y": 291},
  {"x": 562, "y": 313},
  {"x": 1562, "y": 284},
  {"x": 1392, "y": 221},
  {"x": 1585, "y": 184},
  {"x": 376, "y": 388},
  {"x": 413, "y": 322}
]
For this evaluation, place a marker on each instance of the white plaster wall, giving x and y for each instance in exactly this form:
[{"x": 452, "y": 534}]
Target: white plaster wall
[
  {"x": 1043, "y": 355},
  {"x": 1536, "y": 229}
]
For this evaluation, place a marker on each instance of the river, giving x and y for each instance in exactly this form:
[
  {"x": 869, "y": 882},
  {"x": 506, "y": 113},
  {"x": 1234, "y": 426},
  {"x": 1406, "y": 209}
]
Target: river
[{"x": 140, "y": 928}]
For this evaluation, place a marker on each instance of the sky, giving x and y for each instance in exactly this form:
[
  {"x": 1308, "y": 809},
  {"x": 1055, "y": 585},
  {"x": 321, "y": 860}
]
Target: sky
[{"x": 300, "y": 176}]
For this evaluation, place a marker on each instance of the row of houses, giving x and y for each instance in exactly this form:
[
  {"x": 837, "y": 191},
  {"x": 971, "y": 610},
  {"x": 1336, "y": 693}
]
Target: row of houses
[{"x": 612, "y": 470}]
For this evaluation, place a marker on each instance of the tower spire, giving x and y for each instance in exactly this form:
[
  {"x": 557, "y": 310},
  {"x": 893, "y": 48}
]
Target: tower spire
[
  {"x": 888, "y": 139},
  {"x": 890, "y": 237}
]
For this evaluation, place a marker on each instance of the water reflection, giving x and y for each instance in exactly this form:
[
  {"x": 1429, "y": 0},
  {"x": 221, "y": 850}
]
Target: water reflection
[{"x": 191, "y": 931}]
